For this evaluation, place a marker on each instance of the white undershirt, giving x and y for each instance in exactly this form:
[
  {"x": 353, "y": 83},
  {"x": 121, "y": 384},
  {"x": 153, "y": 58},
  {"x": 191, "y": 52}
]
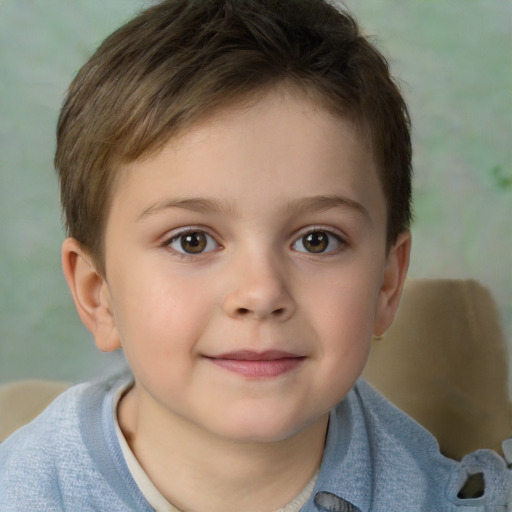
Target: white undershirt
[{"x": 155, "y": 498}]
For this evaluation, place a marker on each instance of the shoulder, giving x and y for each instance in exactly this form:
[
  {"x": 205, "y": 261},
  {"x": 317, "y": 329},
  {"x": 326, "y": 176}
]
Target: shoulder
[
  {"x": 401, "y": 463},
  {"x": 31, "y": 458},
  {"x": 391, "y": 427},
  {"x": 58, "y": 420},
  {"x": 43, "y": 446},
  {"x": 52, "y": 460}
]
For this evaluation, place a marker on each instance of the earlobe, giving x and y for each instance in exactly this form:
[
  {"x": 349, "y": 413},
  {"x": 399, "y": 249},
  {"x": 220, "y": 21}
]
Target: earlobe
[
  {"x": 90, "y": 294},
  {"x": 395, "y": 272}
]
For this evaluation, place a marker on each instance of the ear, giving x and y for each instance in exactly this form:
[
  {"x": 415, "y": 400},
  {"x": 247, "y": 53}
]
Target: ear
[
  {"x": 393, "y": 279},
  {"x": 91, "y": 295}
]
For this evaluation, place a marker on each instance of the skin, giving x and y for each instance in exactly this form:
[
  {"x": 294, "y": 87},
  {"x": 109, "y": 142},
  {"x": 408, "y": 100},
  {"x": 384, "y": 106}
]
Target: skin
[{"x": 288, "y": 202}]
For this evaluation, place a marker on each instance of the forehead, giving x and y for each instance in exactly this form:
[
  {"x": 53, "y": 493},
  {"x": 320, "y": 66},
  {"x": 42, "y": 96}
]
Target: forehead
[
  {"x": 306, "y": 97},
  {"x": 278, "y": 146}
]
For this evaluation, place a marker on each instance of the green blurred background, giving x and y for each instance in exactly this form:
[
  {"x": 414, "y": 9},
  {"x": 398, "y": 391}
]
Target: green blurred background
[{"x": 452, "y": 58}]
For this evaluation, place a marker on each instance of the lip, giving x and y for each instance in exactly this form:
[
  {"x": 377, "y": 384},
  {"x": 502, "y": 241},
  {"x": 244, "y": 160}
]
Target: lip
[{"x": 271, "y": 363}]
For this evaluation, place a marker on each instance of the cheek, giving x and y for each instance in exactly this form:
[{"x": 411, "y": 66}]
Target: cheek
[
  {"x": 345, "y": 349},
  {"x": 160, "y": 316},
  {"x": 348, "y": 305},
  {"x": 346, "y": 336},
  {"x": 344, "y": 320}
]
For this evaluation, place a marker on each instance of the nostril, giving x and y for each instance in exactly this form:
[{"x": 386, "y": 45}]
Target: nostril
[{"x": 246, "y": 311}]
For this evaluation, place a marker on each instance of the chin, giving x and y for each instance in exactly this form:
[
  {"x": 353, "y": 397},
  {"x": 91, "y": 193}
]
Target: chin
[{"x": 270, "y": 428}]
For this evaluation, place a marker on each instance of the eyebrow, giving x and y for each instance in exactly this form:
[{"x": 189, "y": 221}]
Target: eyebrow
[
  {"x": 322, "y": 203},
  {"x": 193, "y": 204}
]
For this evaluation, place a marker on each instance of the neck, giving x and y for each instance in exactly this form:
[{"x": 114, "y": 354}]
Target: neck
[{"x": 180, "y": 458}]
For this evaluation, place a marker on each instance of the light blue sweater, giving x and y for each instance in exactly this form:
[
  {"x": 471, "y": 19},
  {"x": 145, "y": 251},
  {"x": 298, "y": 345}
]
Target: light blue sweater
[{"x": 376, "y": 460}]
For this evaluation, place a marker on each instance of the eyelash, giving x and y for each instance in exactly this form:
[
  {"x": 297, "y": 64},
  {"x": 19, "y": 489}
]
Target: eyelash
[
  {"x": 335, "y": 238},
  {"x": 191, "y": 231}
]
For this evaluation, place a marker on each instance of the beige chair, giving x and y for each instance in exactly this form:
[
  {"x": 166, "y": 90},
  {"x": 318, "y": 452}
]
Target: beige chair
[{"x": 443, "y": 362}]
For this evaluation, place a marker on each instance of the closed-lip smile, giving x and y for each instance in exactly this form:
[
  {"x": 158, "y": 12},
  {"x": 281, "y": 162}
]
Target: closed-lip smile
[{"x": 253, "y": 364}]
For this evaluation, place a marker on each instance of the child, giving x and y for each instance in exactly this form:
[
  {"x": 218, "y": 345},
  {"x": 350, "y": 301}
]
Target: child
[{"x": 235, "y": 176}]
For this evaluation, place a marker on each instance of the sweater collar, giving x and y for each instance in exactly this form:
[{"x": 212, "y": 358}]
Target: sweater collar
[{"x": 346, "y": 467}]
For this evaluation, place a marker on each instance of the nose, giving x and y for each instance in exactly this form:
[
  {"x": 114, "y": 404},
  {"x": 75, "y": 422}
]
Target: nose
[{"x": 259, "y": 290}]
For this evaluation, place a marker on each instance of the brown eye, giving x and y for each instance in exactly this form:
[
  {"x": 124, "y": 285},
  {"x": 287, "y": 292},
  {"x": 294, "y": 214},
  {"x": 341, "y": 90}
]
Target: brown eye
[
  {"x": 317, "y": 242},
  {"x": 193, "y": 242}
]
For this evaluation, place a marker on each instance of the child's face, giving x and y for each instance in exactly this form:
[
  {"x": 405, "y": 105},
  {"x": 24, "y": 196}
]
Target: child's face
[{"x": 246, "y": 269}]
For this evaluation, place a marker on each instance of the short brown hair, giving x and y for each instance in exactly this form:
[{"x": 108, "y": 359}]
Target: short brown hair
[{"x": 176, "y": 60}]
